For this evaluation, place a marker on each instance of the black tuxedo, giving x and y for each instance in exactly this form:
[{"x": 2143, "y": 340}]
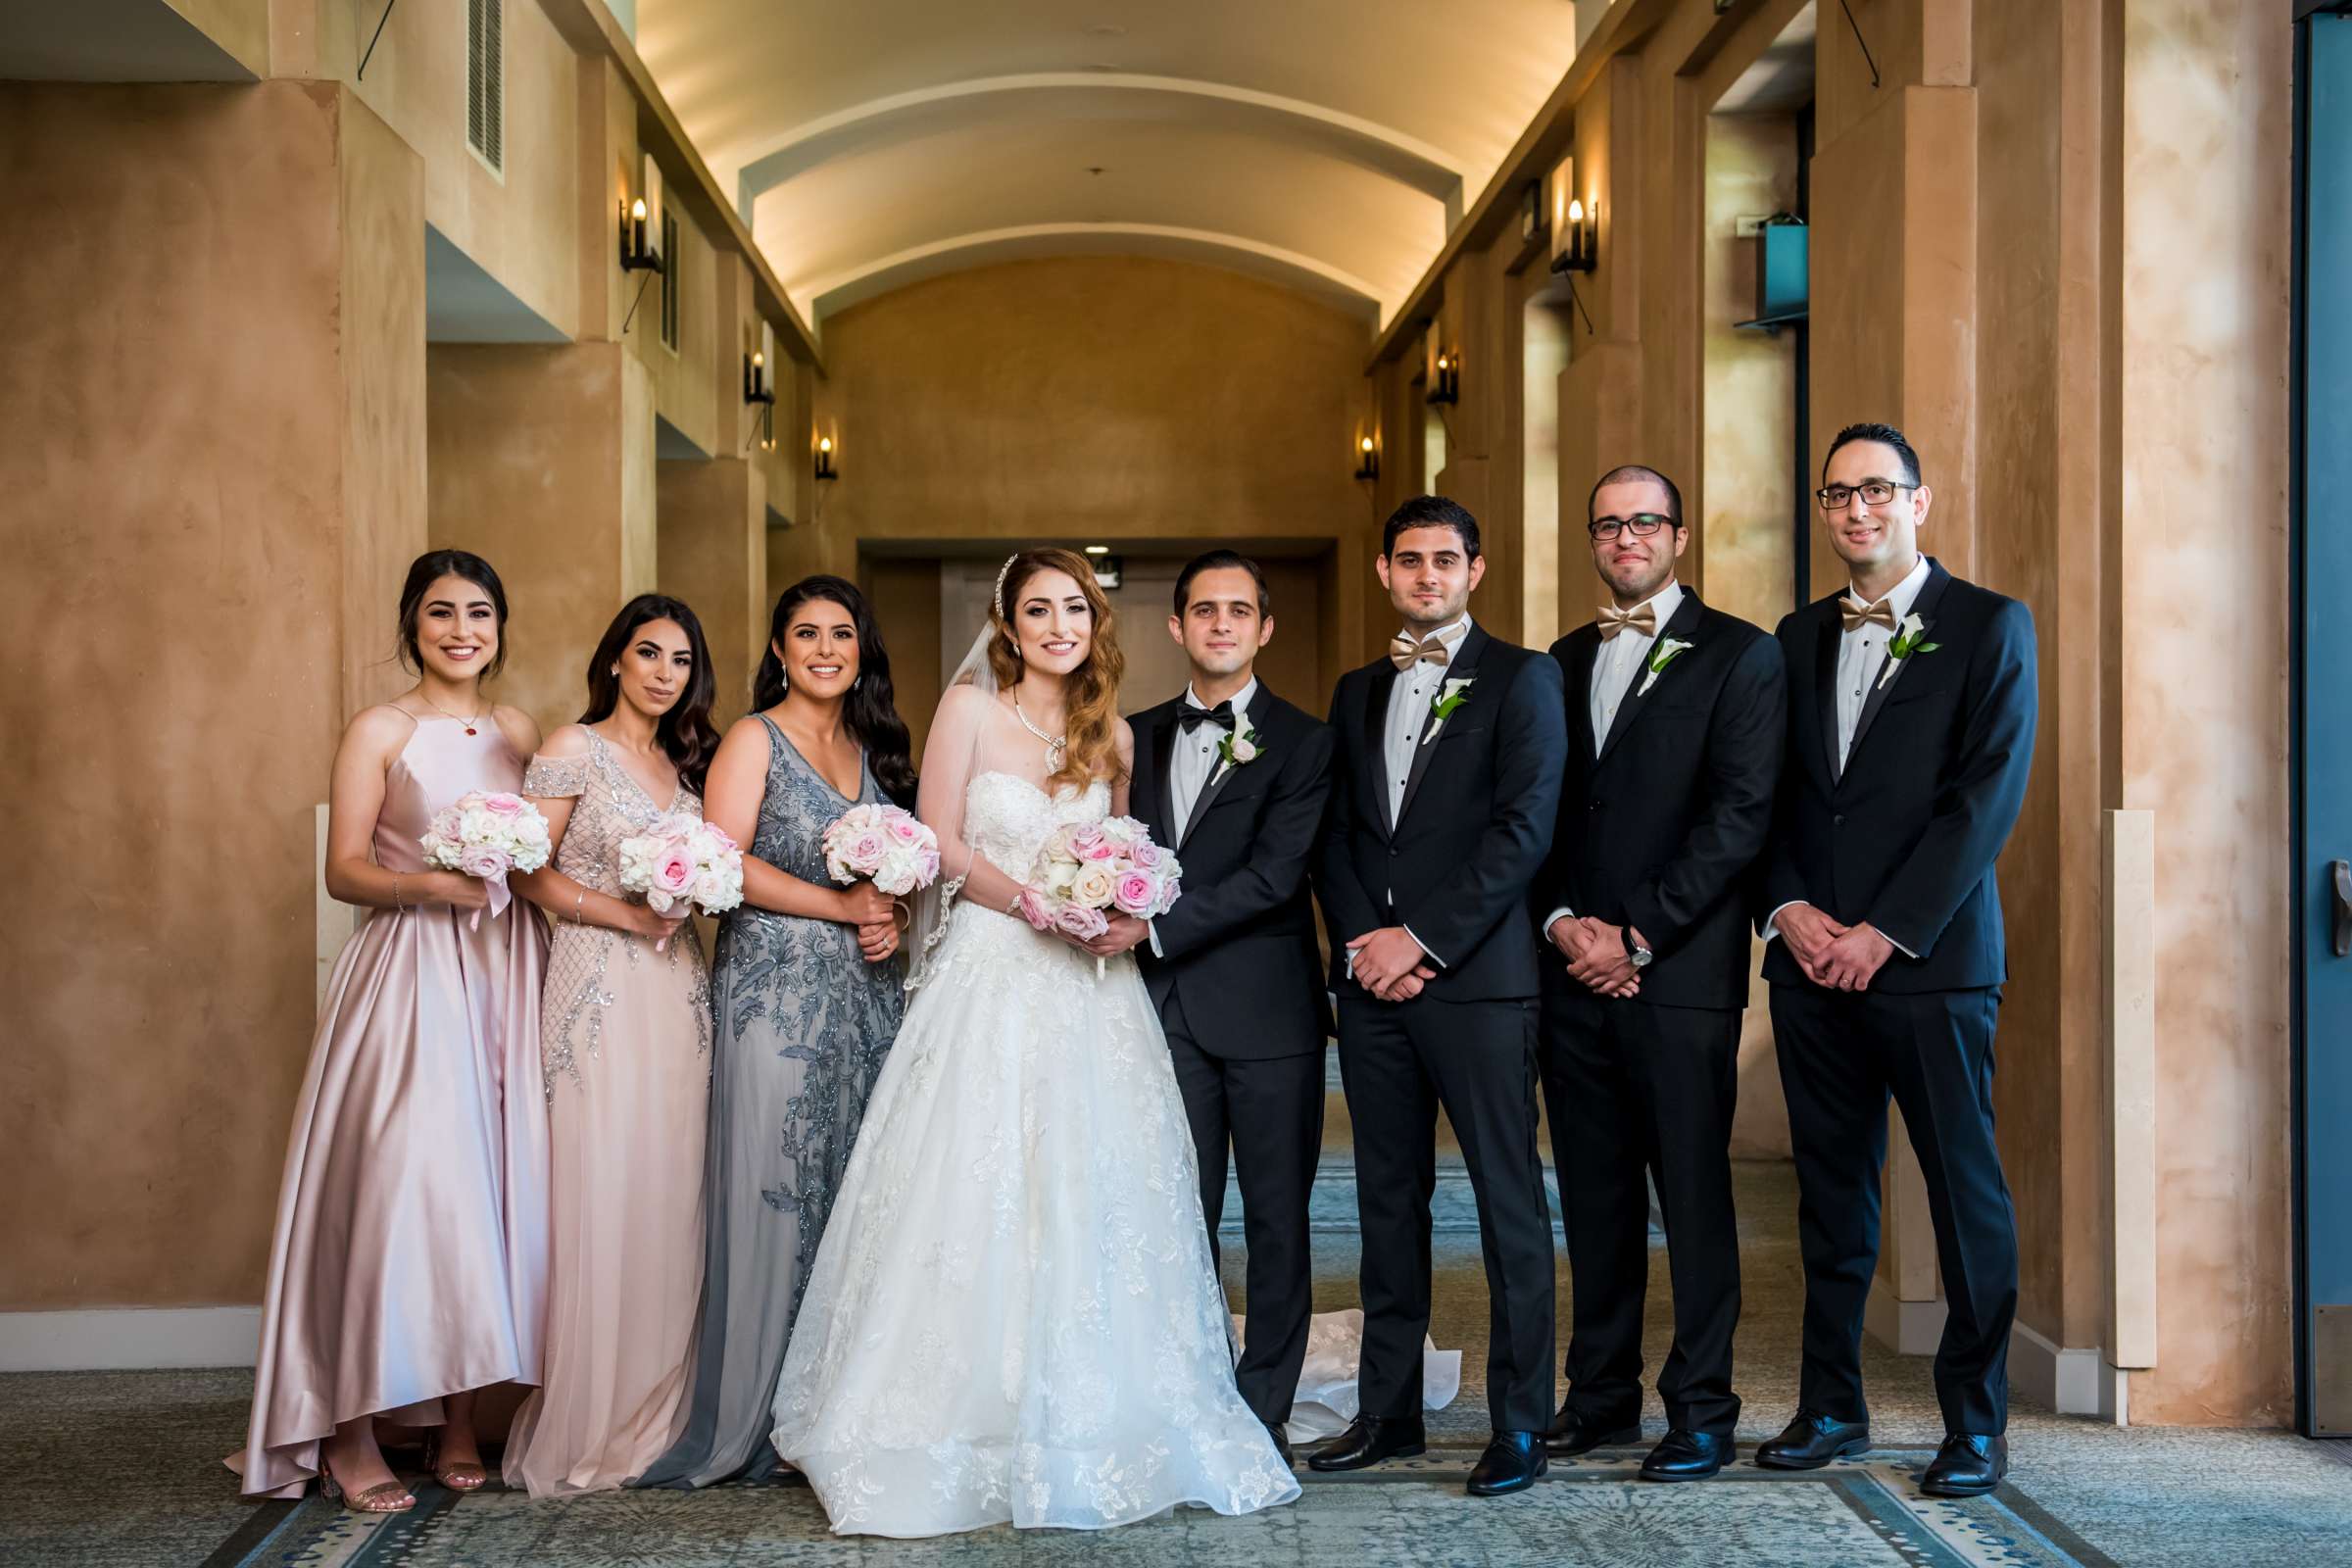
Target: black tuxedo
[
  {"x": 1662, "y": 822},
  {"x": 1454, "y": 867},
  {"x": 1903, "y": 833},
  {"x": 1235, "y": 972}
]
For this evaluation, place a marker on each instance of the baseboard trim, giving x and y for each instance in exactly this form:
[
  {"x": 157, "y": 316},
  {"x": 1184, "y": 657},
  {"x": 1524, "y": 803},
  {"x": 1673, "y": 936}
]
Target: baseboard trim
[
  {"x": 2070, "y": 1382},
  {"x": 1908, "y": 1328},
  {"x": 128, "y": 1339}
]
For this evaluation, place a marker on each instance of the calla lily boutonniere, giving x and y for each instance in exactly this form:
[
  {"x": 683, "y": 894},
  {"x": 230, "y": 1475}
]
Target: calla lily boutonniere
[
  {"x": 1910, "y": 640},
  {"x": 1238, "y": 748},
  {"x": 1666, "y": 652},
  {"x": 1452, "y": 696}
]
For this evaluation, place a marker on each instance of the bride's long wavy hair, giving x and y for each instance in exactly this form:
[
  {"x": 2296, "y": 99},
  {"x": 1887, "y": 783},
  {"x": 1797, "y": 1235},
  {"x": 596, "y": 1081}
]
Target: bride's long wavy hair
[{"x": 1091, "y": 691}]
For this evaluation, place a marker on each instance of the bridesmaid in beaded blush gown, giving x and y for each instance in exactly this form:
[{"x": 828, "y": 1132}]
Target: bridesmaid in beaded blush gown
[
  {"x": 409, "y": 1264},
  {"x": 626, "y": 1051},
  {"x": 808, "y": 983}
]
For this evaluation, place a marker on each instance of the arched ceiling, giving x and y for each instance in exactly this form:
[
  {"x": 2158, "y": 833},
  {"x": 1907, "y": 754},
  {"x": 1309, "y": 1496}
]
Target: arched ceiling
[{"x": 1326, "y": 144}]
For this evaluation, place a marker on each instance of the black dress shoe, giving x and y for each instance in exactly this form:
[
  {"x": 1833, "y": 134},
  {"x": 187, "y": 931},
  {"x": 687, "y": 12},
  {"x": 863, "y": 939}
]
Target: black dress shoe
[
  {"x": 1282, "y": 1442},
  {"x": 1512, "y": 1463},
  {"x": 1368, "y": 1440},
  {"x": 1812, "y": 1441},
  {"x": 1687, "y": 1455},
  {"x": 1572, "y": 1434},
  {"x": 1968, "y": 1465}
]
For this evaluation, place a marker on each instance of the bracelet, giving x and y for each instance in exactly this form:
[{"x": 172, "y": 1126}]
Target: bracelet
[
  {"x": 578, "y": 905},
  {"x": 396, "y": 903}
]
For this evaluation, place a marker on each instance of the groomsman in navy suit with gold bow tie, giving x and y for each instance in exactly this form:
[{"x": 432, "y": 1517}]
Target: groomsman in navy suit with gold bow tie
[
  {"x": 1234, "y": 780},
  {"x": 1911, "y": 714},
  {"x": 1442, "y": 808},
  {"x": 1674, "y": 753}
]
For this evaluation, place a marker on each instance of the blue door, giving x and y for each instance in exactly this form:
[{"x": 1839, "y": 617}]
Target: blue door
[{"x": 2322, "y": 512}]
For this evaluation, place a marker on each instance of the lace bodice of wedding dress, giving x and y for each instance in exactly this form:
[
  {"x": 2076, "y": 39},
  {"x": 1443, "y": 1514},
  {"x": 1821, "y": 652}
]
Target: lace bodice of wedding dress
[{"x": 1008, "y": 818}]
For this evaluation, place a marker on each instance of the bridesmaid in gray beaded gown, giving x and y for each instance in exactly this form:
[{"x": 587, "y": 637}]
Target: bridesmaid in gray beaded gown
[{"x": 807, "y": 996}]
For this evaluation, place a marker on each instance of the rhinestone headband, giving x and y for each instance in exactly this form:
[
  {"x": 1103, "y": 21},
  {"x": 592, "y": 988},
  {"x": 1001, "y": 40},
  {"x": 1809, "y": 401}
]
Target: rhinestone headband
[{"x": 996, "y": 606}]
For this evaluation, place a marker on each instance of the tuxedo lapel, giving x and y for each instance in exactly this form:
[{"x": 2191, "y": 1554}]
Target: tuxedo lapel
[
  {"x": 1463, "y": 667},
  {"x": 1375, "y": 761},
  {"x": 1824, "y": 687},
  {"x": 1220, "y": 776},
  {"x": 1931, "y": 595},
  {"x": 1162, "y": 798},
  {"x": 1582, "y": 655},
  {"x": 1685, "y": 616}
]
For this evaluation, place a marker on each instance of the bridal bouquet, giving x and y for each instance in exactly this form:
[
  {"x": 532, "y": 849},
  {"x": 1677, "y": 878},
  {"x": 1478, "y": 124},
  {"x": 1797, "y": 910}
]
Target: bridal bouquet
[
  {"x": 679, "y": 861},
  {"x": 486, "y": 835},
  {"x": 885, "y": 844},
  {"x": 1087, "y": 868}
]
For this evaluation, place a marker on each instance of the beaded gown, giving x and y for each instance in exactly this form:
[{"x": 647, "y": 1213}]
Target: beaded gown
[
  {"x": 626, "y": 1057},
  {"x": 1013, "y": 1317},
  {"x": 804, "y": 1025},
  {"x": 410, "y": 1256}
]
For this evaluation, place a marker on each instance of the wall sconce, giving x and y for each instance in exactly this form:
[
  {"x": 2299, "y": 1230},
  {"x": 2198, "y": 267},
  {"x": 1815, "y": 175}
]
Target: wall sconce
[
  {"x": 1368, "y": 465},
  {"x": 641, "y": 225},
  {"x": 756, "y": 369},
  {"x": 1580, "y": 239},
  {"x": 824, "y": 457},
  {"x": 1445, "y": 380}
]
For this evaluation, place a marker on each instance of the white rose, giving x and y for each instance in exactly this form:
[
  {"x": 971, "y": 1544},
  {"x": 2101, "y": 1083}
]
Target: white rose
[
  {"x": 1093, "y": 887},
  {"x": 1245, "y": 749}
]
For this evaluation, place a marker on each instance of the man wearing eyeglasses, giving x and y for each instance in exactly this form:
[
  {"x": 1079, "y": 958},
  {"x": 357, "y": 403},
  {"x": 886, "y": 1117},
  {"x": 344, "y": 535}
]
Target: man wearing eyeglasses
[
  {"x": 1675, "y": 728},
  {"x": 1910, "y": 736}
]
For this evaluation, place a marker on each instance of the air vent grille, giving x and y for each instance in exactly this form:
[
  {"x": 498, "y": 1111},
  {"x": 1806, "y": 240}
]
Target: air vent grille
[{"x": 485, "y": 80}]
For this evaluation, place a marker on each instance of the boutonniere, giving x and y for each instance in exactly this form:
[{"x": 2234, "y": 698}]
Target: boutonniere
[
  {"x": 1666, "y": 650},
  {"x": 1238, "y": 748},
  {"x": 1452, "y": 695},
  {"x": 1907, "y": 642}
]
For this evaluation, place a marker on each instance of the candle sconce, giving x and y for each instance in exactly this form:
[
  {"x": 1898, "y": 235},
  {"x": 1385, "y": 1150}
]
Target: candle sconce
[
  {"x": 1368, "y": 460},
  {"x": 641, "y": 225},
  {"x": 756, "y": 387},
  {"x": 824, "y": 457},
  {"x": 1579, "y": 241},
  {"x": 1445, "y": 378}
]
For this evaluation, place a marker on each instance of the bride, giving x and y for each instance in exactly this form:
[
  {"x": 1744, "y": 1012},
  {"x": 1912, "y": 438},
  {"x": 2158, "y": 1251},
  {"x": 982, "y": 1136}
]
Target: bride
[{"x": 1014, "y": 1315}]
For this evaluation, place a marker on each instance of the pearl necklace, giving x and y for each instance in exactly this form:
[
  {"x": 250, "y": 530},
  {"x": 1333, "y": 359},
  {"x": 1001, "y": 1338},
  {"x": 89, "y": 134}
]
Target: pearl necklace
[{"x": 1056, "y": 745}]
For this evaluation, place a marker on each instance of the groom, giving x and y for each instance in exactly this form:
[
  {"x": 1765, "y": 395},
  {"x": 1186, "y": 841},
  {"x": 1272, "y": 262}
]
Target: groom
[
  {"x": 1232, "y": 780},
  {"x": 1451, "y": 751}
]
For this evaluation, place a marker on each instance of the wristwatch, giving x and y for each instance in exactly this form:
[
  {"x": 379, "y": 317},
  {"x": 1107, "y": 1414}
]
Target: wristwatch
[{"x": 1634, "y": 950}]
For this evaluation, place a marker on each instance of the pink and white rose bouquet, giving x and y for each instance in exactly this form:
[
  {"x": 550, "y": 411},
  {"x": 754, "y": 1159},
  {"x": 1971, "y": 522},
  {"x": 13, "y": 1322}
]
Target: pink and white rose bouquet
[
  {"x": 485, "y": 834},
  {"x": 680, "y": 861},
  {"x": 884, "y": 843},
  {"x": 1089, "y": 869}
]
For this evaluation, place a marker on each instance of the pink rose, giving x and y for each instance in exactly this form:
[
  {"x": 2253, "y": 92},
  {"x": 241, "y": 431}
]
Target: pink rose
[
  {"x": 1099, "y": 851},
  {"x": 722, "y": 837},
  {"x": 1146, "y": 856},
  {"x": 906, "y": 829},
  {"x": 1036, "y": 907},
  {"x": 674, "y": 871},
  {"x": 1080, "y": 922},
  {"x": 503, "y": 804},
  {"x": 867, "y": 849},
  {"x": 482, "y": 861},
  {"x": 1136, "y": 893}
]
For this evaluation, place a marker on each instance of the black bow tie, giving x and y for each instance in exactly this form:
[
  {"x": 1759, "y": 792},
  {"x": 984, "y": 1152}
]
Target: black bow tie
[{"x": 1192, "y": 718}]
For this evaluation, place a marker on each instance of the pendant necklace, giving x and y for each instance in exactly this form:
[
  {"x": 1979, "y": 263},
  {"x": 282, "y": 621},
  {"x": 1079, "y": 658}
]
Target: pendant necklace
[
  {"x": 469, "y": 723},
  {"x": 1056, "y": 745}
]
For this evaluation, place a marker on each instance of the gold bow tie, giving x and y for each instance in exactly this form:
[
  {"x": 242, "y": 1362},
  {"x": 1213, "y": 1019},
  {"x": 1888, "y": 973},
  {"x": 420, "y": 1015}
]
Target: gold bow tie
[
  {"x": 1404, "y": 653},
  {"x": 1643, "y": 618},
  {"x": 1859, "y": 614}
]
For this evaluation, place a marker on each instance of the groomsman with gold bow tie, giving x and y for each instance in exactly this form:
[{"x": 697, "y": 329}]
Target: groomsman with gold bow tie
[
  {"x": 1675, "y": 717},
  {"x": 1910, "y": 736},
  {"x": 1443, "y": 791}
]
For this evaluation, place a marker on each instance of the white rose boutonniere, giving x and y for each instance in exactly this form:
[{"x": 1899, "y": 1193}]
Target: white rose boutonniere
[
  {"x": 1452, "y": 696},
  {"x": 1906, "y": 643},
  {"x": 1666, "y": 652},
  {"x": 1239, "y": 749}
]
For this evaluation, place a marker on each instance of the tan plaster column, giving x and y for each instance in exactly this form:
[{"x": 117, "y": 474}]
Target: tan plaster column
[
  {"x": 714, "y": 555},
  {"x": 541, "y": 461},
  {"x": 214, "y": 406}
]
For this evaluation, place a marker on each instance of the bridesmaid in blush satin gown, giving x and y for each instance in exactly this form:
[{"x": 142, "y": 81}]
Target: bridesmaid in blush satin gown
[
  {"x": 626, "y": 1056},
  {"x": 808, "y": 982},
  {"x": 408, "y": 1268}
]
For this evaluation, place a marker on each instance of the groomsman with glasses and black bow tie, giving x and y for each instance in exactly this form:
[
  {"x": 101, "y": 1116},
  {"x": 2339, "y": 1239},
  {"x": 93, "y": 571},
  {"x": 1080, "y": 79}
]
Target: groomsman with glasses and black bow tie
[
  {"x": 1234, "y": 780},
  {"x": 1675, "y": 717},
  {"x": 1443, "y": 798},
  {"x": 1911, "y": 714}
]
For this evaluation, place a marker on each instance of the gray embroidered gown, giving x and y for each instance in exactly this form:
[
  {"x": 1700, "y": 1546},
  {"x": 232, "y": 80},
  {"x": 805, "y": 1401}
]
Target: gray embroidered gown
[{"x": 803, "y": 1026}]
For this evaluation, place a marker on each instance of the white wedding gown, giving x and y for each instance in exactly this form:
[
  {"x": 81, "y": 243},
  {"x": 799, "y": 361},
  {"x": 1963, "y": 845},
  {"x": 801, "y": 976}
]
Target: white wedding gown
[{"x": 1012, "y": 1316}]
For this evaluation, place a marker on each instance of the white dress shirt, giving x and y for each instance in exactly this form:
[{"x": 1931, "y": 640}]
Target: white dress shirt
[
  {"x": 1861, "y": 657},
  {"x": 1192, "y": 764},
  {"x": 1409, "y": 700},
  {"x": 1615, "y": 667}
]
